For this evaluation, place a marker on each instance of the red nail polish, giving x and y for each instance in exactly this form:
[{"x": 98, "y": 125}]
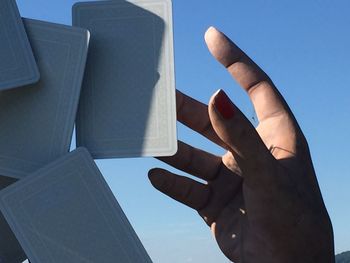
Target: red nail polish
[{"x": 224, "y": 105}]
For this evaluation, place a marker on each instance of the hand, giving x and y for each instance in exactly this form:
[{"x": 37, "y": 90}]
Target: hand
[{"x": 262, "y": 199}]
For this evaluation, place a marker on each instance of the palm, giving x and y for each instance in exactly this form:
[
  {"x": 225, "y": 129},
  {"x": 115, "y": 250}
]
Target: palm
[
  {"x": 261, "y": 199},
  {"x": 233, "y": 214}
]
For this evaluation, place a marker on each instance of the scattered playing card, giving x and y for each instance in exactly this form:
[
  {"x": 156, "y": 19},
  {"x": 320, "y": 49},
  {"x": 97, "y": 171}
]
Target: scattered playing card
[
  {"x": 65, "y": 212},
  {"x": 10, "y": 250},
  {"x": 17, "y": 63},
  {"x": 37, "y": 122},
  {"x": 127, "y": 107}
]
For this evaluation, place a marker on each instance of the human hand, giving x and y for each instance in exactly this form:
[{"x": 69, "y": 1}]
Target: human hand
[{"x": 262, "y": 200}]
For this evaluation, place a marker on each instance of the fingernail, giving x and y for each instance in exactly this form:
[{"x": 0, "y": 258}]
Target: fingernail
[
  {"x": 223, "y": 105},
  {"x": 211, "y": 28}
]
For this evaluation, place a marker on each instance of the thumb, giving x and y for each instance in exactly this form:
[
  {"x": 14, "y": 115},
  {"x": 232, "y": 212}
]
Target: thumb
[{"x": 235, "y": 130}]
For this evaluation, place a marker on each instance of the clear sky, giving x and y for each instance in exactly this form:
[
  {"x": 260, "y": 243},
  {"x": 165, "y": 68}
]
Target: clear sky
[{"x": 305, "y": 48}]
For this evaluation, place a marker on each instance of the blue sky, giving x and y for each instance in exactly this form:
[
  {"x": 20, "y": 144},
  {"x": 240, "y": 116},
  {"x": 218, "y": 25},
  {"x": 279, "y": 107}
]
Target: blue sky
[{"x": 303, "y": 46}]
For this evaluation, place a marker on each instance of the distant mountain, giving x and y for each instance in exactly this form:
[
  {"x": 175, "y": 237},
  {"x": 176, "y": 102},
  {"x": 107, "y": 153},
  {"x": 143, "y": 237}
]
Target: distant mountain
[{"x": 343, "y": 257}]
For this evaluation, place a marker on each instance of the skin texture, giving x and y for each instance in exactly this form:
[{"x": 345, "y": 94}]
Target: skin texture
[{"x": 261, "y": 200}]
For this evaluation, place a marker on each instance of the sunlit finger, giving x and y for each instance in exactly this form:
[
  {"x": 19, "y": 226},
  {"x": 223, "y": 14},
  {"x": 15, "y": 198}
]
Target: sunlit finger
[{"x": 267, "y": 100}]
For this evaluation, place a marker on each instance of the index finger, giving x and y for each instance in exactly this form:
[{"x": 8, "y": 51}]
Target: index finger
[{"x": 268, "y": 102}]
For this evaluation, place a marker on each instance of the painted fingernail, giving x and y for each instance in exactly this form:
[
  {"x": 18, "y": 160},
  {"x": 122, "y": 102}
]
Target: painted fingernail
[{"x": 224, "y": 105}]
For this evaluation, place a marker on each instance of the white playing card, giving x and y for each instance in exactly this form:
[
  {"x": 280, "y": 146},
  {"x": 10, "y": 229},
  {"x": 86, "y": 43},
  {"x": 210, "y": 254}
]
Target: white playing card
[
  {"x": 65, "y": 212},
  {"x": 127, "y": 107}
]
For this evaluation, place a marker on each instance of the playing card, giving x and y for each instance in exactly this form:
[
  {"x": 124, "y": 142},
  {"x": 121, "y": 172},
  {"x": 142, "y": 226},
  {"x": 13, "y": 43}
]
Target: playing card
[
  {"x": 127, "y": 107},
  {"x": 10, "y": 249},
  {"x": 37, "y": 121},
  {"x": 65, "y": 212},
  {"x": 17, "y": 63}
]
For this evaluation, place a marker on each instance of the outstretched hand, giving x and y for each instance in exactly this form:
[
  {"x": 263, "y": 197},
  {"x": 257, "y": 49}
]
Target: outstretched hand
[{"x": 262, "y": 199}]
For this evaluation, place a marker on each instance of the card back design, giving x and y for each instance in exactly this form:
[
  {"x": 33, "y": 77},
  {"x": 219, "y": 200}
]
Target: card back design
[
  {"x": 17, "y": 64},
  {"x": 127, "y": 107},
  {"x": 37, "y": 122},
  {"x": 10, "y": 250},
  {"x": 65, "y": 212}
]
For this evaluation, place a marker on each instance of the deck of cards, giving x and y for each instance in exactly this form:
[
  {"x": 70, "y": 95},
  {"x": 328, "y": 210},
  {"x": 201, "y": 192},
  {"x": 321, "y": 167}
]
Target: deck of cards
[{"x": 111, "y": 75}]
